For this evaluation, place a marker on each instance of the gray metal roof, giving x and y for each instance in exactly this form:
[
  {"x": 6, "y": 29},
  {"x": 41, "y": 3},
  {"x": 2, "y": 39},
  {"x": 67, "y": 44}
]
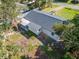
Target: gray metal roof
[{"x": 42, "y": 19}]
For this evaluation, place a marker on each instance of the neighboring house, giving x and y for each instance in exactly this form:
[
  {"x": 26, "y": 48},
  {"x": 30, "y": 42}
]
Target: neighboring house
[{"x": 37, "y": 22}]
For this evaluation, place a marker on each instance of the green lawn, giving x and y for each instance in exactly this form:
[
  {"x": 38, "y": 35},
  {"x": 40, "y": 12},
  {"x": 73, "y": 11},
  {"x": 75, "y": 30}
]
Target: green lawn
[
  {"x": 49, "y": 9},
  {"x": 67, "y": 13},
  {"x": 77, "y": 4}
]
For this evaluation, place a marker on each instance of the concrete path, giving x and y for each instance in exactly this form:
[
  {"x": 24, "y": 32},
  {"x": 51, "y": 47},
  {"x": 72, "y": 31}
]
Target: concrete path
[{"x": 68, "y": 5}]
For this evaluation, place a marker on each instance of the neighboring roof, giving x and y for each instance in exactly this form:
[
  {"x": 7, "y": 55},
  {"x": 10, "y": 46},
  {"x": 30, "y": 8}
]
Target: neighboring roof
[{"x": 42, "y": 19}]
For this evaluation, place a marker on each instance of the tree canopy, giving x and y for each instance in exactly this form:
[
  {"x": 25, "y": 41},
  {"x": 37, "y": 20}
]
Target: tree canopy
[{"x": 71, "y": 40}]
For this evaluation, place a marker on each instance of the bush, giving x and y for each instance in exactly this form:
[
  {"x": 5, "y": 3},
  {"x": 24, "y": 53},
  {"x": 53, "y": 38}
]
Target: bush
[
  {"x": 76, "y": 20},
  {"x": 59, "y": 28},
  {"x": 68, "y": 56}
]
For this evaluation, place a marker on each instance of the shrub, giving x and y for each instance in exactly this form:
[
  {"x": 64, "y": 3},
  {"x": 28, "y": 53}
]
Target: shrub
[
  {"x": 68, "y": 56},
  {"x": 59, "y": 28}
]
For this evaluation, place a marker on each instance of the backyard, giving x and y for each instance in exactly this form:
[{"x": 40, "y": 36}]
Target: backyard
[{"x": 29, "y": 45}]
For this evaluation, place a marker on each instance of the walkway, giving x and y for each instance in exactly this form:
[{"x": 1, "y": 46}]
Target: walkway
[{"x": 68, "y": 5}]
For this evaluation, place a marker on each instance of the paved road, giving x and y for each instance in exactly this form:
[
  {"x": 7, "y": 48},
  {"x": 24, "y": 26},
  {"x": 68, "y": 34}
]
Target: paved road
[{"x": 68, "y": 5}]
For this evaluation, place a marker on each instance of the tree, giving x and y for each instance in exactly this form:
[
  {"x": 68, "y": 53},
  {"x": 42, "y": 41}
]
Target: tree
[
  {"x": 9, "y": 11},
  {"x": 71, "y": 40},
  {"x": 6, "y": 52},
  {"x": 40, "y": 3},
  {"x": 8, "y": 14},
  {"x": 68, "y": 56},
  {"x": 59, "y": 28},
  {"x": 22, "y": 1},
  {"x": 3, "y": 37},
  {"x": 75, "y": 20},
  {"x": 49, "y": 3}
]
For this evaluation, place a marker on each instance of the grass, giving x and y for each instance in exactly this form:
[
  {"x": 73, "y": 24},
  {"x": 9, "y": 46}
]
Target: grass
[
  {"x": 49, "y": 9},
  {"x": 77, "y": 4},
  {"x": 67, "y": 13}
]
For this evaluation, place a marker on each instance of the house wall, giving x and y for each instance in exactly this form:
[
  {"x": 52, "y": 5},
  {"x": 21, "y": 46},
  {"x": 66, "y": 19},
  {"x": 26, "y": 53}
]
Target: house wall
[
  {"x": 27, "y": 25},
  {"x": 23, "y": 27},
  {"x": 34, "y": 28},
  {"x": 49, "y": 33}
]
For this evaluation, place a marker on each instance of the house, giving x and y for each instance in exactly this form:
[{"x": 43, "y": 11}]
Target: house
[{"x": 38, "y": 22}]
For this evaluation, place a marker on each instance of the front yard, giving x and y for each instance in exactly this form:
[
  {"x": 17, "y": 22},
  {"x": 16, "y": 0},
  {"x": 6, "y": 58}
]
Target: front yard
[
  {"x": 67, "y": 13},
  {"x": 49, "y": 9}
]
